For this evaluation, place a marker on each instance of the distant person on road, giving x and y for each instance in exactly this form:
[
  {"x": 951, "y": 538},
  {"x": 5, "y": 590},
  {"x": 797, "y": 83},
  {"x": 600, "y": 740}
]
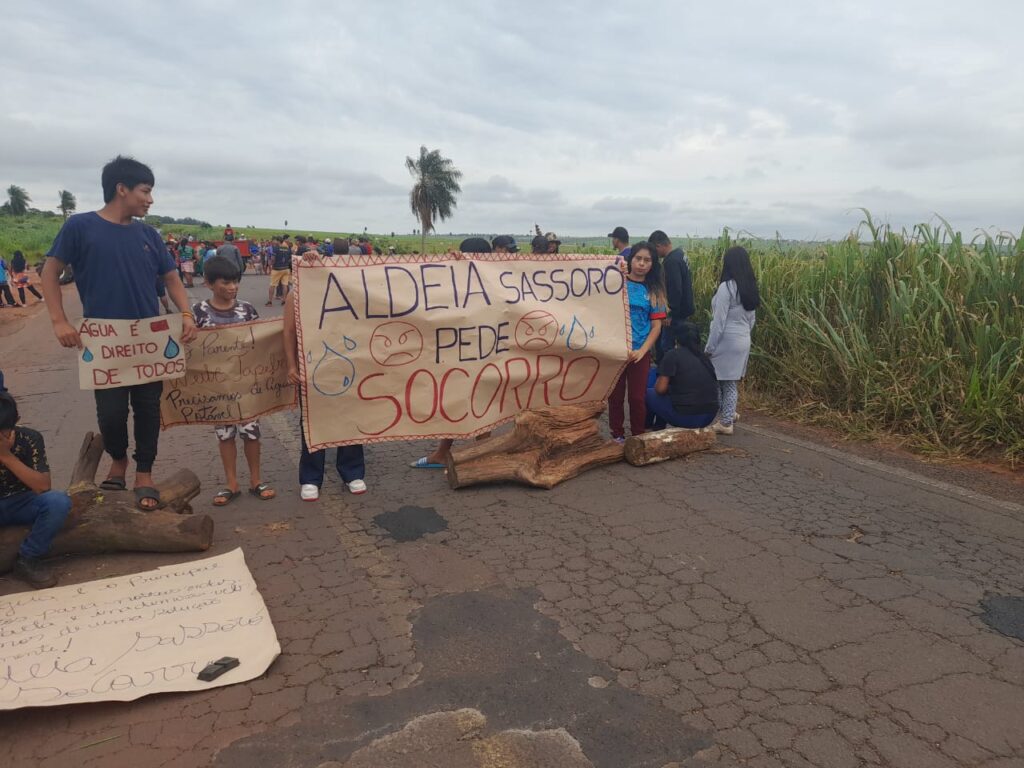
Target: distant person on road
[
  {"x": 280, "y": 272},
  {"x": 186, "y": 261},
  {"x": 353, "y": 247},
  {"x": 224, "y": 308},
  {"x": 733, "y": 312},
  {"x": 678, "y": 286},
  {"x": 21, "y": 279},
  {"x": 646, "y": 292},
  {"x": 117, "y": 261},
  {"x": 685, "y": 394},
  {"x": 5, "y": 288},
  {"x": 229, "y": 233},
  {"x": 26, "y": 496}
]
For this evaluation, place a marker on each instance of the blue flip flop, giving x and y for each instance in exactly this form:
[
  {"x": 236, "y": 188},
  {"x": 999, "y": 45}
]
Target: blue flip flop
[{"x": 424, "y": 463}]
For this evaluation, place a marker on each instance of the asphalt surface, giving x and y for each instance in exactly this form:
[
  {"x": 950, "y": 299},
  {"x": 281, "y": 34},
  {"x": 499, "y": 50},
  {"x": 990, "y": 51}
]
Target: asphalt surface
[{"x": 782, "y": 604}]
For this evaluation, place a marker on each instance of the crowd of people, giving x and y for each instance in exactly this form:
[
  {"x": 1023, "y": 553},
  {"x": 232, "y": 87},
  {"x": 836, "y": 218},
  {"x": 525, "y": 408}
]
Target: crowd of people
[{"x": 670, "y": 377}]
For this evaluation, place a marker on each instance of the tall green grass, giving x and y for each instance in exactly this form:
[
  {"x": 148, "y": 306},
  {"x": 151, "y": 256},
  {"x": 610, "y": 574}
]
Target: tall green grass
[{"x": 916, "y": 333}]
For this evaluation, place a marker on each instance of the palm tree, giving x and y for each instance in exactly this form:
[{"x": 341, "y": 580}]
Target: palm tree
[
  {"x": 67, "y": 203},
  {"x": 433, "y": 195},
  {"x": 18, "y": 200}
]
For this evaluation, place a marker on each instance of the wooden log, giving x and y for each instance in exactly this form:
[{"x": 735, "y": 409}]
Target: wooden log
[
  {"x": 665, "y": 444},
  {"x": 109, "y": 521},
  {"x": 546, "y": 447},
  {"x": 116, "y": 526}
]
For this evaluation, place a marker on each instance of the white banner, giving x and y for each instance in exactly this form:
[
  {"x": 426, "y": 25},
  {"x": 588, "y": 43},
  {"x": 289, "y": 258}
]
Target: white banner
[{"x": 123, "y": 638}]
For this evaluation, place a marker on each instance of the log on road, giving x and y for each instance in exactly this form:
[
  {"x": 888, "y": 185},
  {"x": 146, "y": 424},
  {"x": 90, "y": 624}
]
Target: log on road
[
  {"x": 108, "y": 521},
  {"x": 665, "y": 444},
  {"x": 546, "y": 447}
]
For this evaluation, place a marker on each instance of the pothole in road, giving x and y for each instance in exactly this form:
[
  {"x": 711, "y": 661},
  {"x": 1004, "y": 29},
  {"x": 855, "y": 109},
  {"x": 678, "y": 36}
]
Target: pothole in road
[
  {"x": 411, "y": 523},
  {"x": 1004, "y": 614}
]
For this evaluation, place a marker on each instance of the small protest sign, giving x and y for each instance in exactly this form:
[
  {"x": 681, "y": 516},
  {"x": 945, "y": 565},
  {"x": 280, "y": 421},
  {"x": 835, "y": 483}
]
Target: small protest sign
[
  {"x": 233, "y": 374},
  {"x": 121, "y": 353},
  {"x": 130, "y": 636},
  {"x": 436, "y": 346}
]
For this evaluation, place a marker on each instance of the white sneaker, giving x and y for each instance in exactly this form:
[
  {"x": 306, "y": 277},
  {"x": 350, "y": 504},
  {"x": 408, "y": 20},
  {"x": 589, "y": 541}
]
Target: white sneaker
[
  {"x": 357, "y": 487},
  {"x": 309, "y": 492},
  {"x": 721, "y": 429}
]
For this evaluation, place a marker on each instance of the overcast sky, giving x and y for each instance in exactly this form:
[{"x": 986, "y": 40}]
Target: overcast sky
[{"x": 579, "y": 116}]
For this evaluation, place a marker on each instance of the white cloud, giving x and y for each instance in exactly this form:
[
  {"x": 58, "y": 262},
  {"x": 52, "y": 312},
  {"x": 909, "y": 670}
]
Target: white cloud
[{"x": 576, "y": 116}]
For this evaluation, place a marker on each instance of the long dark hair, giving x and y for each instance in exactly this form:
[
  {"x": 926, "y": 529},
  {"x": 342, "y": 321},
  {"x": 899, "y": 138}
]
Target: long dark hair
[
  {"x": 654, "y": 280},
  {"x": 736, "y": 266},
  {"x": 688, "y": 336}
]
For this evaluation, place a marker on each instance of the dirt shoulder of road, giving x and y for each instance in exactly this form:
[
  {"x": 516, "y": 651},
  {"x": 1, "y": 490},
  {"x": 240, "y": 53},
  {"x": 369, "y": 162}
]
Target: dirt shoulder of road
[{"x": 992, "y": 478}]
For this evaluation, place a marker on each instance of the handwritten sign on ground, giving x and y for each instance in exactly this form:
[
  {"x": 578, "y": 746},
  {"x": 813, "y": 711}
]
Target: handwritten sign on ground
[
  {"x": 233, "y": 374},
  {"x": 417, "y": 347},
  {"x": 120, "y": 353},
  {"x": 123, "y": 638}
]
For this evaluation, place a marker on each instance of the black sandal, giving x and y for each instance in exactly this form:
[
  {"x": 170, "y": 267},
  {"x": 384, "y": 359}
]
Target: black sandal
[
  {"x": 113, "y": 484},
  {"x": 146, "y": 492},
  {"x": 259, "y": 490},
  {"x": 225, "y": 497}
]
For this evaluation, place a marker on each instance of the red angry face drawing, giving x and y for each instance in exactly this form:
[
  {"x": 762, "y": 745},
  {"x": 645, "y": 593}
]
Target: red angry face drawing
[
  {"x": 536, "y": 330},
  {"x": 396, "y": 343}
]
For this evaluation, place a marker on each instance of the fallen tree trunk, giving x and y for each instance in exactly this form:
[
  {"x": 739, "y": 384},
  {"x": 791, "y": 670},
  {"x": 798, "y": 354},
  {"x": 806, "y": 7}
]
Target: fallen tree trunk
[
  {"x": 665, "y": 444},
  {"x": 546, "y": 447},
  {"x": 109, "y": 521}
]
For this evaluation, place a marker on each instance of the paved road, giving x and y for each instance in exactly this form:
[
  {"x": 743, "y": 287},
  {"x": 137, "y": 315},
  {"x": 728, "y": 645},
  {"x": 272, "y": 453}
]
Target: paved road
[{"x": 781, "y": 605}]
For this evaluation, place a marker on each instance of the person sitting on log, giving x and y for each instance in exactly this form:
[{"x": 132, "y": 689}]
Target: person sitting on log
[
  {"x": 685, "y": 394},
  {"x": 26, "y": 497}
]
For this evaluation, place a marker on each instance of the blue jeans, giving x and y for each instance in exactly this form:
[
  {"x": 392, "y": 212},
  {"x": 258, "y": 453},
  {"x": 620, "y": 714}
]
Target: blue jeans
[
  {"x": 661, "y": 407},
  {"x": 349, "y": 463},
  {"x": 45, "y": 512}
]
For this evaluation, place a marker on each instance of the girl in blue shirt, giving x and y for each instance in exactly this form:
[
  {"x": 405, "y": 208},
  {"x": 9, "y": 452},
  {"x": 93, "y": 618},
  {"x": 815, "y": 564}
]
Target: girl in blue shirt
[{"x": 646, "y": 288}]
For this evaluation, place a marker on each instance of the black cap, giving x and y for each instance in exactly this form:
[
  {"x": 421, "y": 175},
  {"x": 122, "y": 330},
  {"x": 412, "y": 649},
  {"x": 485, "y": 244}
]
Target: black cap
[
  {"x": 475, "y": 245},
  {"x": 505, "y": 241},
  {"x": 539, "y": 244},
  {"x": 620, "y": 233}
]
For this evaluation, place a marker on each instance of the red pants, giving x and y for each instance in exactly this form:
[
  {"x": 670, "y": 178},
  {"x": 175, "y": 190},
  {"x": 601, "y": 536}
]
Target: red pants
[{"x": 635, "y": 378}]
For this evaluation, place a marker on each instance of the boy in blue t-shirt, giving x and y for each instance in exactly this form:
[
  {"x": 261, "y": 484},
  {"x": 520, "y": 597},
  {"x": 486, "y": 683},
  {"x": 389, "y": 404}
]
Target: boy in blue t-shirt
[{"x": 117, "y": 261}]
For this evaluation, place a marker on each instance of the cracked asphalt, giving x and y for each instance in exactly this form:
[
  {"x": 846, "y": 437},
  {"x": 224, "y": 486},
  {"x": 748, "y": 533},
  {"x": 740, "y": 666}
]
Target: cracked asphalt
[{"x": 786, "y": 604}]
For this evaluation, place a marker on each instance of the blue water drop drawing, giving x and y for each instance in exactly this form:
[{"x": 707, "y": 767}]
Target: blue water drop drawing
[
  {"x": 577, "y": 338},
  {"x": 172, "y": 349},
  {"x": 87, "y": 356},
  {"x": 592, "y": 331},
  {"x": 561, "y": 331},
  {"x": 333, "y": 374},
  {"x": 309, "y": 357},
  {"x": 350, "y": 344}
]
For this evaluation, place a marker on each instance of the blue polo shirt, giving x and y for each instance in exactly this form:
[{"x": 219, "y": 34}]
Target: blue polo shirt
[{"x": 116, "y": 265}]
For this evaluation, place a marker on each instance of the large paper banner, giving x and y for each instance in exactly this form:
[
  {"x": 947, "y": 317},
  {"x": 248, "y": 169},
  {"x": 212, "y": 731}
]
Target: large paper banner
[
  {"x": 429, "y": 347},
  {"x": 120, "y": 353},
  {"x": 124, "y": 638},
  {"x": 234, "y": 374}
]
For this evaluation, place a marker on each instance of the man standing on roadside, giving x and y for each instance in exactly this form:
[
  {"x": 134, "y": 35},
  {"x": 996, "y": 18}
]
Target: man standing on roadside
[
  {"x": 678, "y": 287},
  {"x": 620, "y": 242},
  {"x": 117, "y": 261}
]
